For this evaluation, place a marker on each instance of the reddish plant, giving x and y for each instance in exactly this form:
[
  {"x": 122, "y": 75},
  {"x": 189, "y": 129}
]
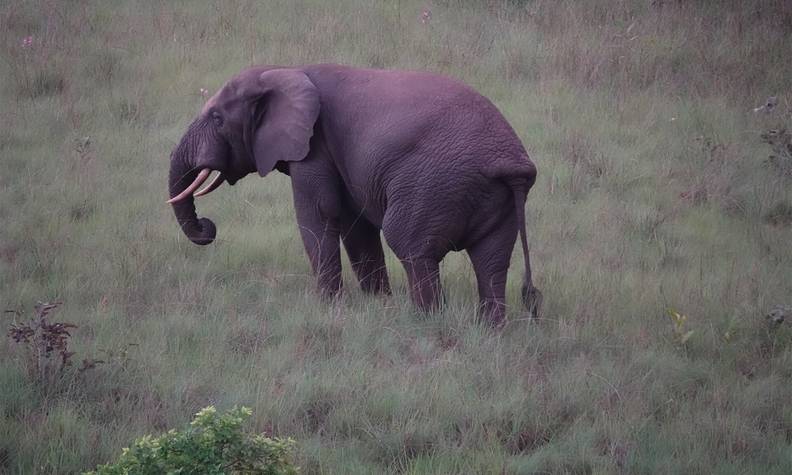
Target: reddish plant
[{"x": 47, "y": 343}]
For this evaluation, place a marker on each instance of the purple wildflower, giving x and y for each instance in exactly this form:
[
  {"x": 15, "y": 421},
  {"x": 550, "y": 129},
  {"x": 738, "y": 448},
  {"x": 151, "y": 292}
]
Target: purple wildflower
[{"x": 426, "y": 16}]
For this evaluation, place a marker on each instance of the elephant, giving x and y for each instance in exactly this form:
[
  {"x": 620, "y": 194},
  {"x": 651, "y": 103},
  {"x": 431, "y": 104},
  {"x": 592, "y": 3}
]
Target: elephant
[{"x": 420, "y": 158}]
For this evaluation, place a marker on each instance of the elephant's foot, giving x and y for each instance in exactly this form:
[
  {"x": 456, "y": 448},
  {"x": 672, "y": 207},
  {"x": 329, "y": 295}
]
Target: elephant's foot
[
  {"x": 492, "y": 312},
  {"x": 532, "y": 299},
  {"x": 427, "y": 300},
  {"x": 376, "y": 282},
  {"x": 329, "y": 287},
  {"x": 423, "y": 276}
]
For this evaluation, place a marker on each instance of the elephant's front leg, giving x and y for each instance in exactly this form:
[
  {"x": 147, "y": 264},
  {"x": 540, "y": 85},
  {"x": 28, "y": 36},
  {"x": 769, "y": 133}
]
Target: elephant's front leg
[
  {"x": 320, "y": 228},
  {"x": 364, "y": 248}
]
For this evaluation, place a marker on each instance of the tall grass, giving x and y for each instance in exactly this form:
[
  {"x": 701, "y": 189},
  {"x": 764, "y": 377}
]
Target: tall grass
[{"x": 653, "y": 195}]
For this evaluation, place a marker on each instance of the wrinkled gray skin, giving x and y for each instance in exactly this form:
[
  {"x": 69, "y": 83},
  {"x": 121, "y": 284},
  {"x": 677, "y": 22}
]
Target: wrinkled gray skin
[{"x": 423, "y": 158}]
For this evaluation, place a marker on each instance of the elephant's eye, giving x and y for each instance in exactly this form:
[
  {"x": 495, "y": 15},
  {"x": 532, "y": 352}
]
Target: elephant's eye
[{"x": 217, "y": 119}]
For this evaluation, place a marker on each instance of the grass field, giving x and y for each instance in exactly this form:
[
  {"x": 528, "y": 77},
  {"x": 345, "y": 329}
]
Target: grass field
[{"x": 656, "y": 194}]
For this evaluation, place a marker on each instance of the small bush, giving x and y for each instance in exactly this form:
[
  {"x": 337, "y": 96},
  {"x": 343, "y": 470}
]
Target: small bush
[
  {"x": 714, "y": 176},
  {"x": 43, "y": 84},
  {"x": 46, "y": 344},
  {"x": 780, "y": 140},
  {"x": 779, "y": 215},
  {"x": 213, "y": 444}
]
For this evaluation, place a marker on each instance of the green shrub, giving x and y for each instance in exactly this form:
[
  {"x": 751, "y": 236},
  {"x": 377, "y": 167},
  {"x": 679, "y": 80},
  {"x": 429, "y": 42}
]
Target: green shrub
[{"x": 213, "y": 444}]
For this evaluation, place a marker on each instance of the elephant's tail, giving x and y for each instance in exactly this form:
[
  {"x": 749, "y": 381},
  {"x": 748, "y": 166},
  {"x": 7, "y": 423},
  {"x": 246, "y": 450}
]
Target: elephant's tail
[
  {"x": 520, "y": 193},
  {"x": 520, "y": 178}
]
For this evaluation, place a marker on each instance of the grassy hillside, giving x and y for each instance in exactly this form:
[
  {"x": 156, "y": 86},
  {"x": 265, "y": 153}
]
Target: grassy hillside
[{"x": 656, "y": 194}]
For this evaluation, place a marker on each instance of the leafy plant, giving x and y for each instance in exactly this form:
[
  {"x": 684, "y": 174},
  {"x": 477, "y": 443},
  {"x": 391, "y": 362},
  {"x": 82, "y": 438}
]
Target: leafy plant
[
  {"x": 731, "y": 329},
  {"x": 213, "y": 444},
  {"x": 46, "y": 343},
  {"x": 681, "y": 333}
]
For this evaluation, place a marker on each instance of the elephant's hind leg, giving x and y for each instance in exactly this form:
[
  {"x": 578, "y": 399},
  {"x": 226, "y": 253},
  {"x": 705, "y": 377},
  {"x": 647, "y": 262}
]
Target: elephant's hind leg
[
  {"x": 490, "y": 257},
  {"x": 362, "y": 243},
  {"x": 419, "y": 255}
]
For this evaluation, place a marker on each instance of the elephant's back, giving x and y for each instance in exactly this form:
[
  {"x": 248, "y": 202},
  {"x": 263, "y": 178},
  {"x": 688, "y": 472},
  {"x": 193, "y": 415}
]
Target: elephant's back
[
  {"x": 412, "y": 133},
  {"x": 392, "y": 113}
]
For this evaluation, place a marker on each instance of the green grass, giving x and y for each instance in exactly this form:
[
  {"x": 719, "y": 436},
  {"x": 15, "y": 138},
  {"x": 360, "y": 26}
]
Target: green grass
[{"x": 653, "y": 194}]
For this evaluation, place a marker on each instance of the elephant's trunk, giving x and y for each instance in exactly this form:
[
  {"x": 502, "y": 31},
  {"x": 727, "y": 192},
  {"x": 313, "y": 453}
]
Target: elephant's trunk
[{"x": 200, "y": 231}]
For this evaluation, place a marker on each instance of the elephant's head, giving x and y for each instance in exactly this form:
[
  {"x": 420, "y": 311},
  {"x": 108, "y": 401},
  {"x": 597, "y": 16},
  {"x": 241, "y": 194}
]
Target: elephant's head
[{"x": 260, "y": 117}]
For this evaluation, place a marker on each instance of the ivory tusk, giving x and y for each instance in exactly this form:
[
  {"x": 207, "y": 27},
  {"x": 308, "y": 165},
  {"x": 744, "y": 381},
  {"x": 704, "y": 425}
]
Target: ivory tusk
[
  {"x": 217, "y": 181},
  {"x": 195, "y": 184}
]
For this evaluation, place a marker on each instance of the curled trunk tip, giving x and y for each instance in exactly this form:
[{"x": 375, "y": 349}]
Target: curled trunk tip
[{"x": 200, "y": 231}]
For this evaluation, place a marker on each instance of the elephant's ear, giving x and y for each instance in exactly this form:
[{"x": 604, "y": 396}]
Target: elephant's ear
[{"x": 290, "y": 108}]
